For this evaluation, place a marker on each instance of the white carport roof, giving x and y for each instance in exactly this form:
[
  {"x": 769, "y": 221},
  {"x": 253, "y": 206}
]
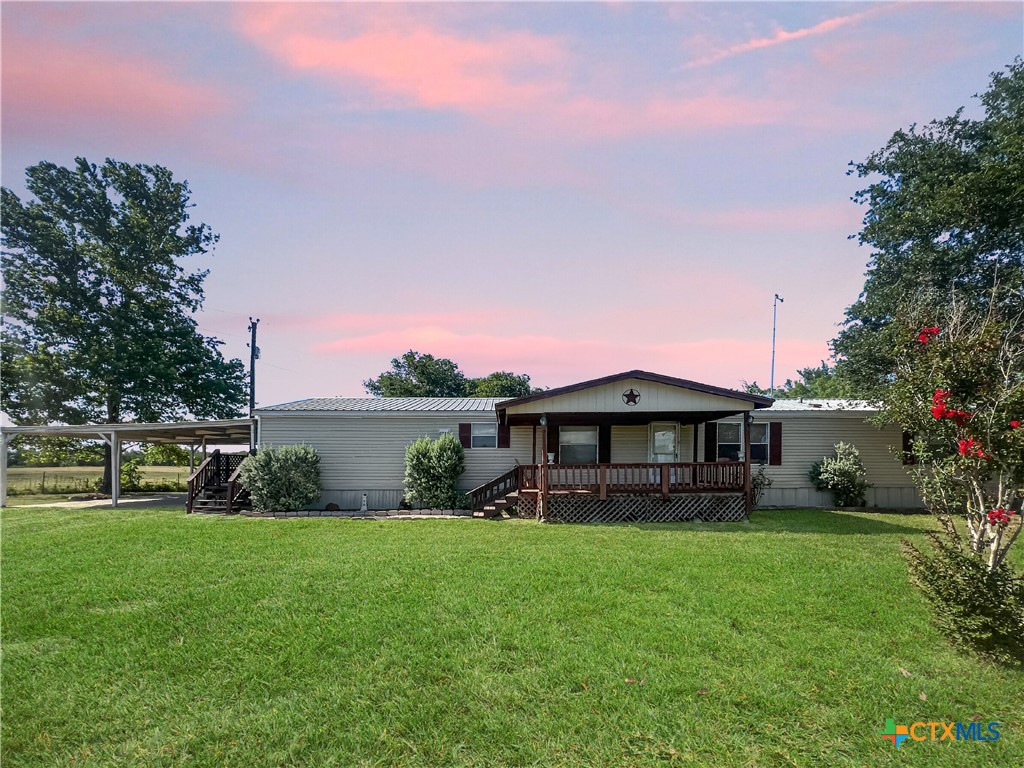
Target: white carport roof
[{"x": 221, "y": 432}]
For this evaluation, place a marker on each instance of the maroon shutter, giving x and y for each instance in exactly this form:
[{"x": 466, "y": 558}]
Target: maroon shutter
[
  {"x": 553, "y": 441},
  {"x": 604, "y": 444},
  {"x": 503, "y": 436},
  {"x": 775, "y": 443},
  {"x": 908, "y": 449},
  {"x": 466, "y": 435},
  {"x": 711, "y": 441}
]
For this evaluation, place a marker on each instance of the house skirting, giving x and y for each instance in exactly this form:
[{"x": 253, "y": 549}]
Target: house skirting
[{"x": 638, "y": 508}]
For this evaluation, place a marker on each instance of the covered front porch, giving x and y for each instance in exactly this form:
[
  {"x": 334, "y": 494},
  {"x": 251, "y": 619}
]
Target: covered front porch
[{"x": 628, "y": 448}]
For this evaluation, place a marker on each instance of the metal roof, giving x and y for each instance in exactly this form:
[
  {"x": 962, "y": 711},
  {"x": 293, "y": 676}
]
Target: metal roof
[
  {"x": 384, "y": 404},
  {"x": 223, "y": 431},
  {"x": 811, "y": 405}
]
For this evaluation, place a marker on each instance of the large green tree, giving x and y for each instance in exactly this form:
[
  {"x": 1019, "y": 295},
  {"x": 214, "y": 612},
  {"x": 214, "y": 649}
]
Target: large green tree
[
  {"x": 945, "y": 215},
  {"x": 822, "y": 381},
  {"x": 417, "y": 375},
  {"x": 501, "y": 384},
  {"x": 98, "y": 308},
  {"x": 937, "y": 338}
]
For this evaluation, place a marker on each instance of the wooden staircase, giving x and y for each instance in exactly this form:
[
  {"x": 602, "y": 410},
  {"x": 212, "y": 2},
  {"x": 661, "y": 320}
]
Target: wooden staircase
[
  {"x": 493, "y": 498},
  {"x": 214, "y": 488}
]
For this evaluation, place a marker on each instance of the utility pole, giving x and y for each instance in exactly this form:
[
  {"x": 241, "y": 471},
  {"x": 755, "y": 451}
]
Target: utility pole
[
  {"x": 775, "y": 308},
  {"x": 254, "y": 354}
]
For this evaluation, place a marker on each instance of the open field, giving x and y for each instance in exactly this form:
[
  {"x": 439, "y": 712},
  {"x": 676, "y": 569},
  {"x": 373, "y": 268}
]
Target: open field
[
  {"x": 154, "y": 638},
  {"x": 23, "y": 480}
]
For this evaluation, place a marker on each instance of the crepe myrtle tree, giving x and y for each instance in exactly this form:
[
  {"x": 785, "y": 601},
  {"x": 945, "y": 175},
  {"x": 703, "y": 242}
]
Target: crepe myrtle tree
[{"x": 958, "y": 390}]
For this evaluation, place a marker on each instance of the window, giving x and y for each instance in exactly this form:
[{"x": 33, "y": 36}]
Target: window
[
  {"x": 485, "y": 435},
  {"x": 730, "y": 442},
  {"x": 577, "y": 445}
]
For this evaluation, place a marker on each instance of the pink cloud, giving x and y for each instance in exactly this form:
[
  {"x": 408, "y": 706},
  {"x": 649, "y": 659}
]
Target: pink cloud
[
  {"x": 555, "y": 360},
  {"x": 417, "y": 66},
  {"x": 59, "y": 88},
  {"x": 780, "y": 37},
  {"x": 527, "y": 82}
]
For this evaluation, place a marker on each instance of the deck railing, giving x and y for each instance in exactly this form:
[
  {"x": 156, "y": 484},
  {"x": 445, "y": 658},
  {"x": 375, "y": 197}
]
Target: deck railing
[
  {"x": 640, "y": 477},
  {"x": 495, "y": 489},
  {"x": 238, "y": 495},
  {"x": 216, "y": 471}
]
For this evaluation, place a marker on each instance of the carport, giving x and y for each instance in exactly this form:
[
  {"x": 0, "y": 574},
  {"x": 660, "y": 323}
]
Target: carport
[{"x": 192, "y": 433}]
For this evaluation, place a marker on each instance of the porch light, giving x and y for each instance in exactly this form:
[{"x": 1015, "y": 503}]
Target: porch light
[{"x": 543, "y": 421}]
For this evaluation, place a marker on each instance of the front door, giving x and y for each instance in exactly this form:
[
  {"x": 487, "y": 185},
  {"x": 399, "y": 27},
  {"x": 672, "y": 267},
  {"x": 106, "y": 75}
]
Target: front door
[{"x": 664, "y": 442}]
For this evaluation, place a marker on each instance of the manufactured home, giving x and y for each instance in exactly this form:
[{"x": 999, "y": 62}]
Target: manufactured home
[{"x": 632, "y": 446}]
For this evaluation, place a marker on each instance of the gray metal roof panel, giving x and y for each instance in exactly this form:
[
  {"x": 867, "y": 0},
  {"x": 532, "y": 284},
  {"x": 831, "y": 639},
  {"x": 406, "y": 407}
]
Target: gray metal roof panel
[
  {"x": 821, "y": 404},
  {"x": 385, "y": 404}
]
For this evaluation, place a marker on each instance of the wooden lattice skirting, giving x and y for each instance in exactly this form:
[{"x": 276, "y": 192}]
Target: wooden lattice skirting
[{"x": 589, "y": 508}]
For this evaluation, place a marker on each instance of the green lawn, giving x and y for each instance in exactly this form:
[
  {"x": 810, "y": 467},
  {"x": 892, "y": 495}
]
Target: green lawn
[{"x": 149, "y": 637}]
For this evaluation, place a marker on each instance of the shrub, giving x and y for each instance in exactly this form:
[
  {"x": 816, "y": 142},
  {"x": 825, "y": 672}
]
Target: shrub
[
  {"x": 976, "y": 609},
  {"x": 759, "y": 483},
  {"x": 843, "y": 475},
  {"x": 131, "y": 475},
  {"x": 282, "y": 479},
  {"x": 432, "y": 471}
]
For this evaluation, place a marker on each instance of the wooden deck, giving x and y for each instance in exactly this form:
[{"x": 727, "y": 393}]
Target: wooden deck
[{"x": 639, "y": 478}]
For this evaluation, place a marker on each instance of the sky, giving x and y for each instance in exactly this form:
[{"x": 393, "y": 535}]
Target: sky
[{"x": 566, "y": 190}]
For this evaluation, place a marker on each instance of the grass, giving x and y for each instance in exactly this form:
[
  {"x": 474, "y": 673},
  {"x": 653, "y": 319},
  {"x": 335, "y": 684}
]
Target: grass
[
  {"x": 148, "y": 637},
  {"x": 26, "y": 480}
]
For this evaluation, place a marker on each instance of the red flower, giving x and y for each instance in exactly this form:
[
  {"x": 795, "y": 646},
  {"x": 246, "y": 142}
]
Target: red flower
[
  {"x": 927, "y": 334},
  {"x": 960, "y": 417},
  {"x": 1015, "y": 424},
  {"x": 1000, "y": 516},
  {"x": 971, "y": 447}
]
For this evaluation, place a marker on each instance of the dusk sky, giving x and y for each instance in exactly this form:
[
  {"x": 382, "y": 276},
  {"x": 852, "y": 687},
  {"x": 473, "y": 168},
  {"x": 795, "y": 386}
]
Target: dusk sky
[{"x": 565, "y": 190}]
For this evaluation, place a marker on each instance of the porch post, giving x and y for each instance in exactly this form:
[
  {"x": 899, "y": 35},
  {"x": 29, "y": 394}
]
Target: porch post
[
  {"x": 748, "y": 500},
  {"x": 534, "y": 444},
  {"x": 543, "y": 479},
  {"x": 115, "y": 468},
  {"x": 4, "y": 440}
]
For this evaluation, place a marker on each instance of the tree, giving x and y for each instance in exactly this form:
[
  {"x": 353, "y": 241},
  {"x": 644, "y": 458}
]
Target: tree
[
  {"x": 98, "y": 308},
  {"x": 823, "y": 381},
  {"x": 501, "y": 384},
  {"x": 937, "y": 339},
  {"x": 959, "y": 387},
  {"x": 945, "y": 212},
  {"x": 165, "y": 455},
  {"x": 416, "y": 375}
]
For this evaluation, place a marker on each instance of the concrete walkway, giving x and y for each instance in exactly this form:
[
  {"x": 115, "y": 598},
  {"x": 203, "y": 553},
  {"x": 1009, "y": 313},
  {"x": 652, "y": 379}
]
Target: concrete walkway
[{"x": 134, "y": 502}]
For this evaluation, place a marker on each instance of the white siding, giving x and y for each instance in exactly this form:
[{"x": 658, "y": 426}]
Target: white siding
[
  {"x": 365, "y": 452},
  {"x": 632, "y": 444},
  {"x": 809, "y": 437},
  {"x": 629, "y": 444}
]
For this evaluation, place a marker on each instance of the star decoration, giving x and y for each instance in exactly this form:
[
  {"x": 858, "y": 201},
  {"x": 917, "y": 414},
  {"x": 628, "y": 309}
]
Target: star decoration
[{"x": 631, "y": 397}]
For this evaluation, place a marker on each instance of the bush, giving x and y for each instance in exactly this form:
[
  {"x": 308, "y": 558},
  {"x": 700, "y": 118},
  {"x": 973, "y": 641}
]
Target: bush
[
  {"x": 759, "y": 483},
  {"x": 432, "y": 471},
  {"x": 282, "y": 479},
  {"x": 977, "y": 610},
  {"x": 842, "y": 474},
  {"x": 131, "y": 475}
]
